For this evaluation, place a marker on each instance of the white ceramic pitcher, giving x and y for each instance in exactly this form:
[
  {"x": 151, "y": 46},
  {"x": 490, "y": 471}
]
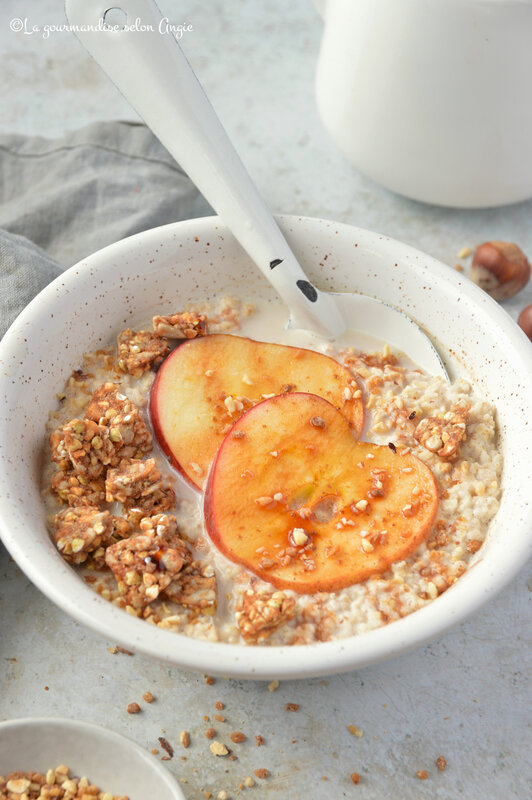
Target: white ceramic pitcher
[{"x": 432, "y": 98}]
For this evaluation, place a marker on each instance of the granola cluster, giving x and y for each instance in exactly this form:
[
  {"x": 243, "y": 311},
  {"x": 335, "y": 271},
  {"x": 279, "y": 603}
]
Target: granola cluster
[
  {"x": 139, "y": 351},
  {"x": 260, "y": 613},
  {"x": 140, "y": 487},
  {"x": 80, "y": 531},
  {"x": 55, "y": 784},
  {"x": 185, "y": 325},
  {"x": 195, "y": 589},
  {"x": 127, "y": 430},
  {"x": 444, "y": 435},
  {"x": 145, "y": 564}
]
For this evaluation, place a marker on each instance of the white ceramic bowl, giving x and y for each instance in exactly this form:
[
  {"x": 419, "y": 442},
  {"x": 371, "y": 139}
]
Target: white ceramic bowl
[
  {"x": 199, "y": 259},
  {"x": 110, "y": 761}
]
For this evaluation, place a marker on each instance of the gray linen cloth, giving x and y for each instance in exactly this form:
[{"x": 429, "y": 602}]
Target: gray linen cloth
[{"x": 62, "y": 199}]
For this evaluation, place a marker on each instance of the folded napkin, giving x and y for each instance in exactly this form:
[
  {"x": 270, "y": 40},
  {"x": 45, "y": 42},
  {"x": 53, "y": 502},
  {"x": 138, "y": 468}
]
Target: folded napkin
[{"x": 62, "y": 199}]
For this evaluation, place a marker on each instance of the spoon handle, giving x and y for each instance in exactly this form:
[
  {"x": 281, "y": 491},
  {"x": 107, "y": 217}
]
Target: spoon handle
[{"x": 149, "y": 68}]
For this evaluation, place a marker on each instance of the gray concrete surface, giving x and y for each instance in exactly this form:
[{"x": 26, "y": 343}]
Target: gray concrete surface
[{"x": 465, "y": 696}]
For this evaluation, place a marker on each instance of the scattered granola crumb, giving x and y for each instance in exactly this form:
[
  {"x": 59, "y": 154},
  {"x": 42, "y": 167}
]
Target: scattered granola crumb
[
  {"x": 165, "y": 744},
  {"x": 219, "y": 718},
  {"x": 441, "y": 763},
  {"x": 148, "y": 697},
  {"x": 292, "y": 707},
  {"x": 223, "y": 795},
  {"x": 184, "y": 739},
  {"x": 249, "y": 782},
  {"x": 205, "y": 718},
  {"x": 355, "y": 731},
  {"x": 207, "y": 795},
  {"x": 464, "y": 252},
  {"x": 259, "y": 740},
  {"x": 210, "y": 733},
  {"x": 220, "y": 706},
  {"x": 273, "y": 686},
  {"x": 261, "y": 773},
  {"x": 355, "y": 777},
  {"x": 124, "y": 651},
  {"x": 133, "y": 708},
  {"x": 422, "y": 774},
  {"x": 219, "y": 749},
  {"x": 238, "y": 736},
  {"x": 113, "y": 650},
  {"x": 209, "y": 680},
  {"x": 154, "y": 751}
]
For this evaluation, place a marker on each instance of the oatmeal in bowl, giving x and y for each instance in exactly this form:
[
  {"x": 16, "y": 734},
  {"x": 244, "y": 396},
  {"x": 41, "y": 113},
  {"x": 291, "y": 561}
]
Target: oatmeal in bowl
[
  {"x": 336, "y": 490},
  {"x": 230, "y": 496}
]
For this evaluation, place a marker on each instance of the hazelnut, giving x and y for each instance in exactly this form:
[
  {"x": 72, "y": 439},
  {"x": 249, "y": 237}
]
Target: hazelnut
[
  {"x": 500, "y": 268},
  {"x": 525, "y": 320}
]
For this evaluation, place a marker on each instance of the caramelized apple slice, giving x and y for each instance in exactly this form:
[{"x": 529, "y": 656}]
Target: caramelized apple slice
[
  {"x": 327, "y": 511},
  {"x": 207, "y": 383}
]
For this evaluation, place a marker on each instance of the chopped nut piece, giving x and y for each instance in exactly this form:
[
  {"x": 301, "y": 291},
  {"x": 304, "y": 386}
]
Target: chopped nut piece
[
  {"x": 18, "y": 785},
  {"x": 165, "y": 744},
  {"x": 183, "y": 325},
  {"x": 237, "y": 737},
  {"x": 184, "y": 739},
  {"x": 140, "y": 487},
  {"x": 292, "y": 707},
  {"x": 441, "y": 763},
  {"x": 128, "y": 432},
  {"x": 218, "y": 749},
  {"x": 248, "y": 782},
  {"x": 259, "y": 614},
  {"x": 443, "y": 436},
  {"x": 80, "y": 531},
  {"x": 220, "y": 706},
  {"x": 298, "y": 537},
  {"x": 133, "y": 708},
  {"x": 422, "y": 774},
  {"x": 259, "y": 740},
  {"x": 195, "y": 589},
  {"x": 261, "y": 773},
  {"x": 139, "y": 351},
  {"x": 355, "y": 731},
  {"x": 210, "y": 733},
  {"x": 145, "y": 564},
  {"x": 273, "y": 686},
  {"x": 75, "y": 490},
  {"x": 355, "y": 777},
  {"x": 148, "y": 697},
  {"x": 218, "y": 717}
]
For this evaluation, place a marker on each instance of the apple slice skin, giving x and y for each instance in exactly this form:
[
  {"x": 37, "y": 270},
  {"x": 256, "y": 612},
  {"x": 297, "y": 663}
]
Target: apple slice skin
[
  {"x": 187, "y": 408},
  {"x": 313, "y": 465}
]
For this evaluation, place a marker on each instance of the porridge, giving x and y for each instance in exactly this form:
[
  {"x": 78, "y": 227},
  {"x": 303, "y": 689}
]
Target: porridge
[{"x": 249, "y": 492}]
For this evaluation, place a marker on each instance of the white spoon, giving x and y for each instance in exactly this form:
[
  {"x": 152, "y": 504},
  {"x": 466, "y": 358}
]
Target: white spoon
[{"x": 151, "y": 71}]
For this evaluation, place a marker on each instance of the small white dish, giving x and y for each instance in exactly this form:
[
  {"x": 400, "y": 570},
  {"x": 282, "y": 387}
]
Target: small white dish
[{"x": 110, "y": 761}]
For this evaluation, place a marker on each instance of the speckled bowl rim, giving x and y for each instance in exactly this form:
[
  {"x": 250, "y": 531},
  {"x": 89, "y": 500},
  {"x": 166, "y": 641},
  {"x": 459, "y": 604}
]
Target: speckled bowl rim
[
  {"x": 480, "y": 583},
  {"x": 105, "y": 736}
]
